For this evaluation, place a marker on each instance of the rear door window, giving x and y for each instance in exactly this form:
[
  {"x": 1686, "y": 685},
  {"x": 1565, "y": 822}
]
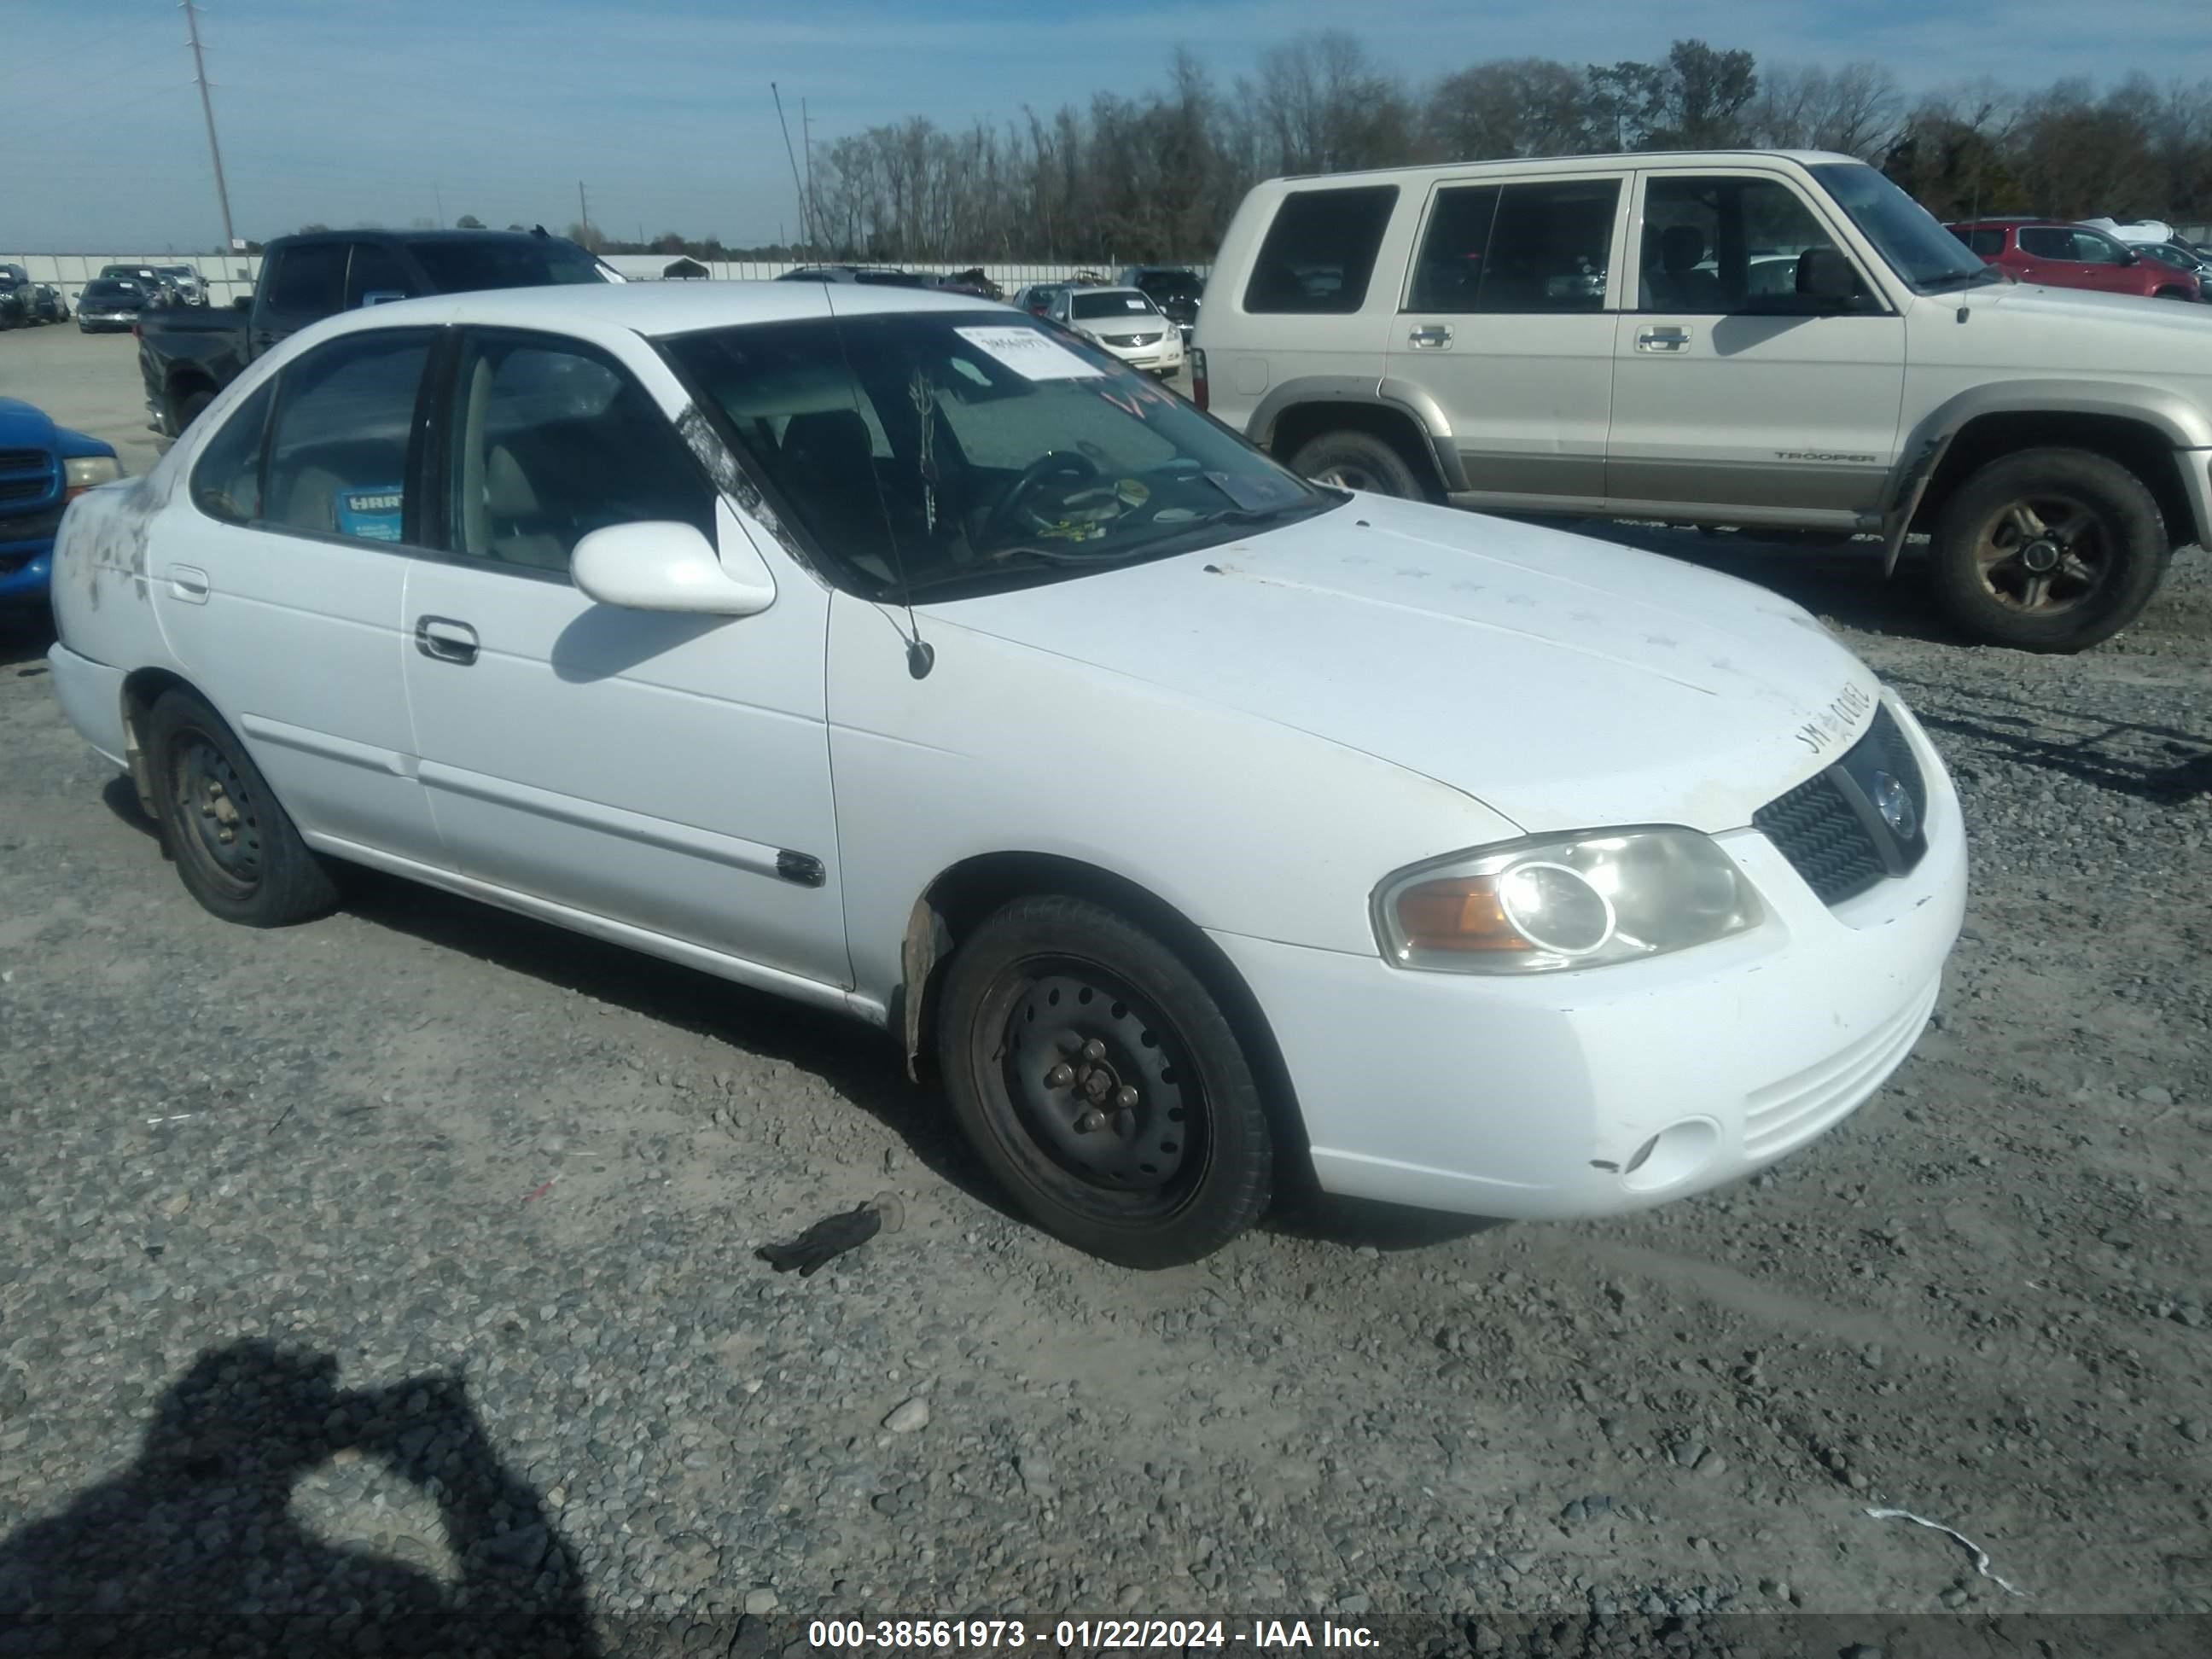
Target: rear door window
[
  {"x": 338, "y": 456},
  {"x": 1987, "y": 243},
  {"x": 376, "y": 276},
  {"x": 1320, "y": 252},
  {"x": 2047, "y": 242},
  {"x": 309, "y": 281}
]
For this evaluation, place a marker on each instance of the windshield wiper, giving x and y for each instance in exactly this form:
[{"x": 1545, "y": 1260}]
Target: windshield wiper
[{"x": 1962, "y": 279}]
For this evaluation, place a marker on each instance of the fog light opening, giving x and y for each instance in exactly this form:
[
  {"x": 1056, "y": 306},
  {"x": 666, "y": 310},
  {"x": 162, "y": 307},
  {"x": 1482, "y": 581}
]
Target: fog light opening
[{"x": 1672, "y": 1156}]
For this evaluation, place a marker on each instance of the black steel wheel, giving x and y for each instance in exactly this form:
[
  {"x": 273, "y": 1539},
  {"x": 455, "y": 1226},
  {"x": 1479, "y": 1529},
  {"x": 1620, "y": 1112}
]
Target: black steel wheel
[
  {"x": 1358, "y": 460},
  {"x": 1098, "y": 1079},
  {"x": 2049, "y": 549},
  {"x": 236, "y": 849}
]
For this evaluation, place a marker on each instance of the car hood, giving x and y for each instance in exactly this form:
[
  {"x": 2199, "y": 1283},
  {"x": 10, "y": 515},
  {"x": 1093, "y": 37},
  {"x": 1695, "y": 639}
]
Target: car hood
[
  {"x": 23, "y": 427},
  {"x": 1564, "y": 683}
]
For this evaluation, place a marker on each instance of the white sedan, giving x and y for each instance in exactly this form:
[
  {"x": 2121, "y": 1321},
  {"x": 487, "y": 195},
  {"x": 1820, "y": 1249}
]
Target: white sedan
[
  {"x": 1127, "y": 322},
  {"x": 878, "y": 649}
]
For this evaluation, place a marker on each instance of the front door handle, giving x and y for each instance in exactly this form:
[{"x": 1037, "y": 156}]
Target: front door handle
[
  {"x": 446, "y": 639},
  {"x": 1430, "y": 337},
  {"x": 1661, "y": 339},
  {"x": 189, "y": 583}
]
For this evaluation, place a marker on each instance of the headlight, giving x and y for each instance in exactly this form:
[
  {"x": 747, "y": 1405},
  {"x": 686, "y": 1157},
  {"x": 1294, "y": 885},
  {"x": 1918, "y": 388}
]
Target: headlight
[
  {"x": 82, "y": 472},
  {"x": 1579, "y": 900}
]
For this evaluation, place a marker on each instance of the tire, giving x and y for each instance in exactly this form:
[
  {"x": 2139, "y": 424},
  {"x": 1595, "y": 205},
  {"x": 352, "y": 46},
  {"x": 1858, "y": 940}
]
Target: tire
[
  {"x": 2100, "y": 524},
  {"x": 190, "y": 407},
  {"x": 1052, "y": 987},
  {"x": 235, "y": 847},
  {"x": 2172, "y": 294},
  {"x": 1358, "y": 460}
]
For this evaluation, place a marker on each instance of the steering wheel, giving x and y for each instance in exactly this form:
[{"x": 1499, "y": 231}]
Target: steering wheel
[{"x": 1055, "y": 466}]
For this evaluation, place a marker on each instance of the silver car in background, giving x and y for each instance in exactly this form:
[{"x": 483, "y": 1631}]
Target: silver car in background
[{"x": 1125, "y": 322}]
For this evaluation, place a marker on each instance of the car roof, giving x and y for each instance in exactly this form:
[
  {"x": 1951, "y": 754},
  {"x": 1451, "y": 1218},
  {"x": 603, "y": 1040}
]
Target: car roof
[{"x": 656, "y": 310}]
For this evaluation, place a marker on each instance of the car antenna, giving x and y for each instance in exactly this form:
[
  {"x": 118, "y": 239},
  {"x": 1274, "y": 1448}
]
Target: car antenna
[{"x": 921, "y": 655}]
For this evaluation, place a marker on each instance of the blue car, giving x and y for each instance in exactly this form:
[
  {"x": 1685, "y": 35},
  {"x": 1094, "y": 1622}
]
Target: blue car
[{"x": 43, "y": 467}]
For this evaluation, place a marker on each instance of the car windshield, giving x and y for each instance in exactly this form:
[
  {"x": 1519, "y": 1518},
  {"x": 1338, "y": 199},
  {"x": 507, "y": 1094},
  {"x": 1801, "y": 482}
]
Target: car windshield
[
  {"x": 891, "y": 278},
  {"x": 1114, "y": 302},
  {"x": 947, "y": 454},
  {"x": 111, "y": 289},
  {"x": 461, "y": 266},
  {"x": 1918, "y": 249}
]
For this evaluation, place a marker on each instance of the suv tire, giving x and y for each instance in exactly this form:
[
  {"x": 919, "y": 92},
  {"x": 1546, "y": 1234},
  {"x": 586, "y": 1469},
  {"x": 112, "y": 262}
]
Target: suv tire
[
  {"x": 2049, "y": 549},
  {"x": 1358, "y": 460}
]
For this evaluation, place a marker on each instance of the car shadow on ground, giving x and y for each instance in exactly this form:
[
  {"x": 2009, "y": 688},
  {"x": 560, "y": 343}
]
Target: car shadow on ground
[
  {"x": 2163, "y": 765},
  {"x": 198, "y": 1547},
  {"x": 24, "y": 643}
]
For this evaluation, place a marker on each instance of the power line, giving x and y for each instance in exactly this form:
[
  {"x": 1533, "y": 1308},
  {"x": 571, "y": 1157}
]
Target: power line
[{"x": 207, "y": 109}]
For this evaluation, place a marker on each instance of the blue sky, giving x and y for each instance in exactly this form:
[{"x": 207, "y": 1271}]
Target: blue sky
[{"x": 388, "y": 110}]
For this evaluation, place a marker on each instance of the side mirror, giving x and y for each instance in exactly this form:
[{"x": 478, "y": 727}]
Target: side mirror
[
  {"x": 659, "y": 565},
  {"x": 1823, "y": 273},
  {"x": 242, "y": 302}
]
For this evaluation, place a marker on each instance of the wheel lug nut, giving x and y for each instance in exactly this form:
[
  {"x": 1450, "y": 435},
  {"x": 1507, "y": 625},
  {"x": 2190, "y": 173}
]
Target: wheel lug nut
[
  {"x": 1088, "y": 1121},
  {"x": 1059, "y": 1078},
  {"x": 1094, "y": 1049},
  {"x": 1127, "y": 1099}
]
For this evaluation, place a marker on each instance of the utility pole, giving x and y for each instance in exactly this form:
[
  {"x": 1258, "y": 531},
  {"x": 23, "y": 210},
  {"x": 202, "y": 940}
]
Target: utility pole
[
  {"x": 790, "y": 156},
  {"x": 583, "y": 209},
  {"x": 207, "y": 109},
  {"x": 439, "y": 197},
  {"x": 807, "y": 135}
]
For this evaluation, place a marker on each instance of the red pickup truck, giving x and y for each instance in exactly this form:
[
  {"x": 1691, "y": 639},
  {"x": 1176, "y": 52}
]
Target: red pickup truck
[{"x": 2064, "y": 255}]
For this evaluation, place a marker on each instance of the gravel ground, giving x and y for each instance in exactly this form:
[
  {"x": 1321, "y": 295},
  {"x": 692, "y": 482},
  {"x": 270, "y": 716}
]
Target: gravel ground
[{"x": 407, "y": 1257}]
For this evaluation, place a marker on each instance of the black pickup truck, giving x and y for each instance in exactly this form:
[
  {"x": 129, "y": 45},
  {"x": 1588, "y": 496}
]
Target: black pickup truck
[{"x": 188, "y": 354}]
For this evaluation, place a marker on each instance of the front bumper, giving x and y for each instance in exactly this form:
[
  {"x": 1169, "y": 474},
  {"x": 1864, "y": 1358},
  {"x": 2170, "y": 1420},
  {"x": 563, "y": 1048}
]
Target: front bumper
[
  {"x": 1530, "y": 1098},
  {"x": 26, "y": 557},
  {"x": 1162, "y": 356}
]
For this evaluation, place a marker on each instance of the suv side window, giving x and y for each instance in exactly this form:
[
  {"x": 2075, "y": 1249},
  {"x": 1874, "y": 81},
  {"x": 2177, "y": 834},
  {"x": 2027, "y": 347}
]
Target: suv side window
[
  {"x": 1546, "y": 250},
  {"x": 2091, "y": 249},
  {"x": 375, "y": 274},
  {"x": 1319, "y": 251},
  {"x": 226, "y": 478},
  {"x": 310, "y": 281},
  {"x": 1987, "y": 243},
  {"x": 2047, "y": 242},
  {"x": 1725, "y": 245},
  {"x": 345, "y": 416},
  {"x": 552, "y": 440}
]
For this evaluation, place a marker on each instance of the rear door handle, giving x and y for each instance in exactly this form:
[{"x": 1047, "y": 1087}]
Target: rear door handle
[
  {"x": 1661, "y": 339},
  {"x": 446, "y": 639},
  {"x": 189, "y": 583},
  {"x": 1430, "y": 337}
]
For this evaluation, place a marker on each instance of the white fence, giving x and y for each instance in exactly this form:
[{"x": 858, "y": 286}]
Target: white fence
[{"x": 230, "y": 275}]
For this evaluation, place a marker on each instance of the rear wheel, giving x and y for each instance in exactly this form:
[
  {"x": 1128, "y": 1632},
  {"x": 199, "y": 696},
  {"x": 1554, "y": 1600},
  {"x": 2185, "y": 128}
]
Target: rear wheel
[
  {"x": 190, "y": 407},
  {"x": 2050, "y": 549},
  {"x": 1097, "y": 1077},
  {"x": 236, "y": 849},
  {"x": 1358, "y": 460}
]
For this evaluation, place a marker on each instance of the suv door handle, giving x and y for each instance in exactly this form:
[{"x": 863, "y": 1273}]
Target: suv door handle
[
  {"x": 446, "y": 639},
  {"x": 1430, "y": 337},
  {"x": 1667, "y": 338}
]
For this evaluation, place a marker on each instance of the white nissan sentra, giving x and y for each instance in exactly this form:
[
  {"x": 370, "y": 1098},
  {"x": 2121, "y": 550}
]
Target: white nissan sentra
[{"x": 907, "y": 657}]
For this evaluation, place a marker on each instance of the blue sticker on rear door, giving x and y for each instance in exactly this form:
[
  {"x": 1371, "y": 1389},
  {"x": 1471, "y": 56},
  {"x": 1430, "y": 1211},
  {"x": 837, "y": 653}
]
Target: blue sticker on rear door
[{"x": 372, "y": 512}]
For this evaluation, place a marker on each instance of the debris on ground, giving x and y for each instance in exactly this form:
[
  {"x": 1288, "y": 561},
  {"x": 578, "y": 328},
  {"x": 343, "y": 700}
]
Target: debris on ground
[
  {"x": 833, "y": 1234},
  {"x": 1981, "y": 1555}
]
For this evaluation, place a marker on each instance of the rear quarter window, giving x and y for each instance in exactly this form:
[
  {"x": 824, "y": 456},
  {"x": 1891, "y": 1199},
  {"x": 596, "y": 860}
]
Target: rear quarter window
[{"x": 1319, "y": 254}]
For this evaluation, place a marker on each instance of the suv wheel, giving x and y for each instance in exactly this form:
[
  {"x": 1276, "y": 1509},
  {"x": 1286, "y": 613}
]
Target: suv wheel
[
  {"x": 1101, "y": 1083},
  {"x": 2050, "y": 549},
  {"x": 1358, "y": 460}
]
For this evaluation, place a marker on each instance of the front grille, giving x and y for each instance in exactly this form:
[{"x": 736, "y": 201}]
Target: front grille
[
  {"x": 26, "y": 475},
  {"x": 34, "y": 528},
  {"x": 1832, "y": 829},
  {"x": 1137, "y": 340}
]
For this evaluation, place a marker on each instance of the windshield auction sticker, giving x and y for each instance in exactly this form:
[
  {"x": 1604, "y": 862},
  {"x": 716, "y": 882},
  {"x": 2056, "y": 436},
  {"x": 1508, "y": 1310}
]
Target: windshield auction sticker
[{"x": 1029, "y": 353}]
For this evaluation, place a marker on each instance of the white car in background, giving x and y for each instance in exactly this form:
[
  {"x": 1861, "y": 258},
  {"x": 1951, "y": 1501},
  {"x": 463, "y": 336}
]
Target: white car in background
[
  {"x": 909, "y": 658},
  {"x": 1126, "y": 321}
]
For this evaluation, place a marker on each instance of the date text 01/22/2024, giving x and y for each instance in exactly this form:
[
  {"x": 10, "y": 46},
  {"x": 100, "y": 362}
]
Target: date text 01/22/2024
[{"x": 1085, "y": 1635}]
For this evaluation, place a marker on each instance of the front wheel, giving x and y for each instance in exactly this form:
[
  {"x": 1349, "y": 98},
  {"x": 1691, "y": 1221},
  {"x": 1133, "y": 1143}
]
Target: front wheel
[
  {"x": 236, "y": 849},
  {"x": 1096, "y": 1077},
  {"x": 2049, "y": 549}
]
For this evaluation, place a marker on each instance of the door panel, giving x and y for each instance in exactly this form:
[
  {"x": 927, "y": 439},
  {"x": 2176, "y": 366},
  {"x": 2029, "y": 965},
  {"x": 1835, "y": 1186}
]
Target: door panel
[
  {"x": 290, "y": 624},
  {"x": 667, "y": 770},
  {"x": 1729, "y": 391},
  {"x": 1505, "y": 324}
]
